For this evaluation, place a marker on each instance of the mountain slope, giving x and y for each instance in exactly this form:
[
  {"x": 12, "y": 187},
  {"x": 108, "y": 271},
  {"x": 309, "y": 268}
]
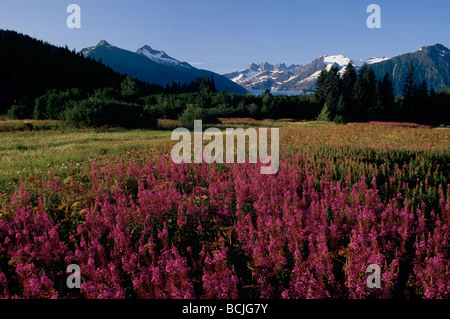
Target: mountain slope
[
  {"x": 431, "y": 63},
  {"x": 160, "y": 57},
  {"x": 152, "y": 66},
  {"x": 29, "y": 67}
]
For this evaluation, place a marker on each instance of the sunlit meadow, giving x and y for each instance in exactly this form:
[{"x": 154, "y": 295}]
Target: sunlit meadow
[{"x": 140, "y": 226}]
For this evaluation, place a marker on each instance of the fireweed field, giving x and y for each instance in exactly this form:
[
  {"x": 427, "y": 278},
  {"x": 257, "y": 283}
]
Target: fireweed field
[{"x": 140, "y": 226}]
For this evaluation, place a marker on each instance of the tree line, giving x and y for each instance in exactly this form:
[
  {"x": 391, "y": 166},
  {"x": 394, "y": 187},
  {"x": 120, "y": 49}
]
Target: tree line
[
  {"x": 354, "y": 96},
  {"x": 132, "y": 105},
  {"x": 41, "y": 81},
  {"x": 360, "y": 96}
]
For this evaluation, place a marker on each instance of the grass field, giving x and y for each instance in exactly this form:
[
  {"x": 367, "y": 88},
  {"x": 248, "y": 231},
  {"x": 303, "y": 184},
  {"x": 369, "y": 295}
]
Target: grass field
[
  {"x": 111, "y": 201},
  {"x": 24, "y": 153},
  {"x": 48, "y": 146}
]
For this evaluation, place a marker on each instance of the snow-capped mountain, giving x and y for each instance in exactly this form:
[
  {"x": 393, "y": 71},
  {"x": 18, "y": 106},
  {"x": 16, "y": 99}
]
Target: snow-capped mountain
[
  {"x": 153, "y": 66},
  {"x": 306, "y": 78},
  {"x": 296, "y": 77},
  {"x": 262, "y": 75},
  {"x": 371, "y": 60},
  {"x": 160, "y": 57}
]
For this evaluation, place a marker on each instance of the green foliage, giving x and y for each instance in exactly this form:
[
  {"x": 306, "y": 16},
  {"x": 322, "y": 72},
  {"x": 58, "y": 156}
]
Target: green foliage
[
  {"x": 348, "y": 84},
  {"x": 321, "y": 89},
  {"x": 196, "y": 113},
  {"x": 332, "y": 85},
  {"x": 409, "y": 86},
  {"x": 206, "y": 85},
  {"x": 269, "y": 106},
  {"x": 339, "y": 119},
  {"x": 341, "y": 111},
  {"x": 386, "y": 97},
  {"x": 96, "y": 113},
  {"x": 364, "y": 92},
  {"x": 446, "y": 90},
  {"x": 324, "y": 114},
  {"x": 129, "y": 88},
  {"x": 19, "y": 111},
  {"x": 224, "y": 104},
  {"x": 361, "y": 97},
  {"x": 53, "y": 103},
  {"x": 106, "y": 93},
  {"x": 409, "y": 91},
  {"x": 253, "y": 110}
]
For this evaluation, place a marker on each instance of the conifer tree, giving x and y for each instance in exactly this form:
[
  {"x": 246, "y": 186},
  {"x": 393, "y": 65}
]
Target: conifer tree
[
  {"x": 348, "y": 81},
  {"x": 409, "y": 86},
  {"x": 321, "y": 86},
  {"x": 324, "y": 114},
  {"x": 333, "y": 93},
  {"x": 409, "y": 91},
  {"x": 421, "y": 101},
  {"x": 341, "y": 111},
  {"x": 364, "y": 96},
  {"x": 387, "y": 98},
  {"x": 348, "y": 86}
]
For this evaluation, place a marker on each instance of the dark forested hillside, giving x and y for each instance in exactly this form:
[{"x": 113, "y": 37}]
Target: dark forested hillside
[
  {"x": 431, "y": 64},
  {"x": 29, "y": 67},
  {"x": 152, "y": 66}
]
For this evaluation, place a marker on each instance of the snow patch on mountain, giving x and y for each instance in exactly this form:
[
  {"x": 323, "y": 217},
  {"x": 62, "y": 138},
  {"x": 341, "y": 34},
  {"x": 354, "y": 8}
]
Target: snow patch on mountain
[
  {"x": 373, "y": 60},
  {"x": 160, "y": 57},
  {"x": 249, "y": 74},
  {"x": 338, "y": 59}
]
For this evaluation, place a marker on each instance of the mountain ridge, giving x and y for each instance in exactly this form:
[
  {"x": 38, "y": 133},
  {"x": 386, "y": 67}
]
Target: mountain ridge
[
  {"x": 29, "y": 67},
  {"x": 154, "y": 66},
  {"x": 279, "y": 77},
  {"x": 431, "y": 62}
]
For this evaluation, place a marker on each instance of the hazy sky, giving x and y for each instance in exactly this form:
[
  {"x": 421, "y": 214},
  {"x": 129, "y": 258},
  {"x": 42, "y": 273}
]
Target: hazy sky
[{"x": 227, "y": 35}]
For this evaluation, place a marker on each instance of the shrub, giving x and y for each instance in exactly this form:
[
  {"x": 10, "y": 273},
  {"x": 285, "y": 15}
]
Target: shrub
[
  {"x": 339, "y": 119},
  {"x": 253, "y": 110},
  {"x": 196, "y": 113},
  {"x": 324, "y": 114},
  {"x": 53, "y": 103},
  {"x": 106, "y": 93},
  {"x": 19, "y": 112},
  {"x": 97, "y": 112}
]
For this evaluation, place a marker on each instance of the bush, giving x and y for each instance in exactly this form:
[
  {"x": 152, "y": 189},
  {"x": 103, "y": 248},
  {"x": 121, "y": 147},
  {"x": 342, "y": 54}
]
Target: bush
[
  {"x": 19, "y": 112},
  {"x": 339, "y": 119},
  {"x": 196, "y": 113},
  {"x": 253, "y": 110},
  {"x": 96, "y": 113},
  {"x": 228, "y": 111},
  {"x": 52, "y": 104},
  {"x": 324, "y": 114},
  {"x": 106, "y": 93}
]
